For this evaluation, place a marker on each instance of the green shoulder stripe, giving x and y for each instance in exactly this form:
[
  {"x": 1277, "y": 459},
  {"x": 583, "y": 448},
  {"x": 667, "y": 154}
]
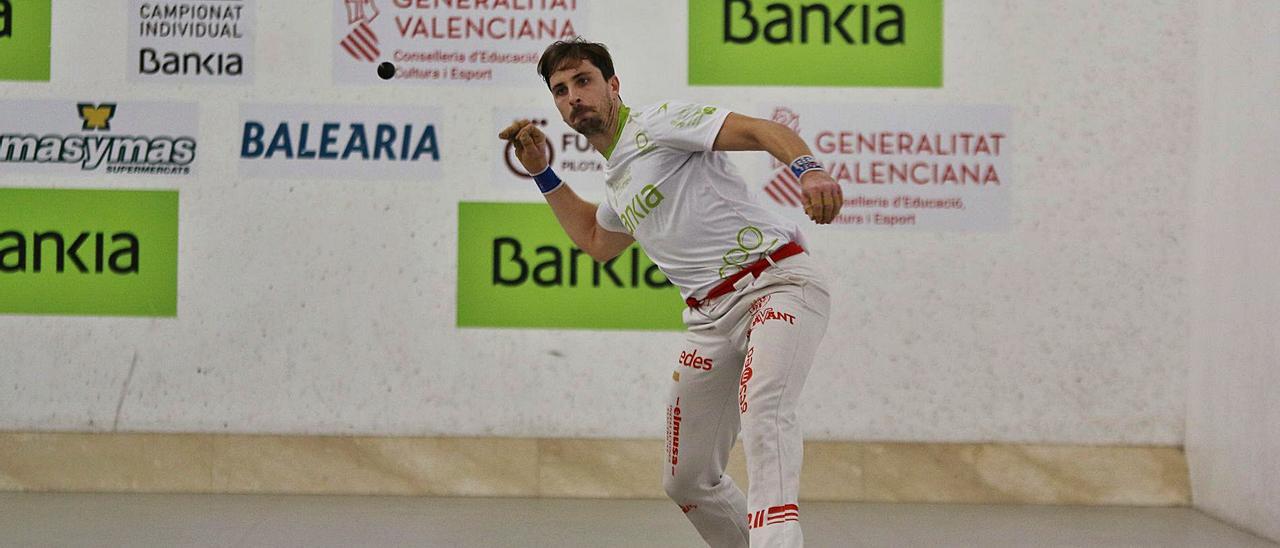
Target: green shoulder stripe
[{"x": 623, "y": 114}]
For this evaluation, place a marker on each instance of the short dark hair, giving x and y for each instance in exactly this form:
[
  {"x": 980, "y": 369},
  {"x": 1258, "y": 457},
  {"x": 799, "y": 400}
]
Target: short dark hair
[{"x": 565, "y": 51}]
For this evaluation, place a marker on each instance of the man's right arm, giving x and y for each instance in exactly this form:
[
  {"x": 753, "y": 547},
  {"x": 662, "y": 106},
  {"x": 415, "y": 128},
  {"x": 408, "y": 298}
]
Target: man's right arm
[{"x": 576, "y": 216}]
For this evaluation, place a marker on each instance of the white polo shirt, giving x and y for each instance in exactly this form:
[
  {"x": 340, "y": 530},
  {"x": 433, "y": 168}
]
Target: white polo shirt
[{"x": 683, "y": 202}]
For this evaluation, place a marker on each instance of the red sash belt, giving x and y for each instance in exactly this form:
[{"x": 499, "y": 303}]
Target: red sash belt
[{"x": 754, "y": 269}]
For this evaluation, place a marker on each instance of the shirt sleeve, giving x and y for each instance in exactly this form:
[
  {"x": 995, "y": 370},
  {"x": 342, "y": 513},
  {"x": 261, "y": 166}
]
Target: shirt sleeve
[
  {"x": 685, "y": 126},
  {"x": 608, "y": 219}
]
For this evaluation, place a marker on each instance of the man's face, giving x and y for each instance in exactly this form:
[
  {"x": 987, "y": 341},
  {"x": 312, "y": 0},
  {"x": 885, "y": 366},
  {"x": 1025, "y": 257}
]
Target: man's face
[{"x": 585, "y": 99}]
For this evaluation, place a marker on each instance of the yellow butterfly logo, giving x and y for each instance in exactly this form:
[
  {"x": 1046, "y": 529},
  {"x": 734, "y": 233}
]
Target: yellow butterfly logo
[{"x": 97, "y": 117}]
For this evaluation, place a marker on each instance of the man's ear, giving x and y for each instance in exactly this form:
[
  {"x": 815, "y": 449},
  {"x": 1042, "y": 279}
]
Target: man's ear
[{"x": 615, "y": 85}]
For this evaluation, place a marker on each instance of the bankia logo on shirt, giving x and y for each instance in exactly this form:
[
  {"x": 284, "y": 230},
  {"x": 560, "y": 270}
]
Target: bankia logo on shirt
[{"x": 339, "y": 141}]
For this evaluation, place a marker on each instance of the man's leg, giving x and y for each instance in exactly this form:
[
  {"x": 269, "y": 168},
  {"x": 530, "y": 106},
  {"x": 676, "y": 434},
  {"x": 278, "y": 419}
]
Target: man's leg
[
  {"x": 784, "y": 329},
  {"x": 702, "y": 425}
]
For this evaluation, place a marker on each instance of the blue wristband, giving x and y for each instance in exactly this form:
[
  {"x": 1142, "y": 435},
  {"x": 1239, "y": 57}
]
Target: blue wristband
[
  {"x": 547, "y": 180},
  {"x": 804, "y": 164}
]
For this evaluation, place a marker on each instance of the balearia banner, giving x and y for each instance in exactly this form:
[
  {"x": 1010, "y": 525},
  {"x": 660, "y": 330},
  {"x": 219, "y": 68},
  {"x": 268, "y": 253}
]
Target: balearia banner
[
  {"x": 517, "y": 268},
  {"x": 89, "y": 252},
  {"x": 358, "y": 142}
]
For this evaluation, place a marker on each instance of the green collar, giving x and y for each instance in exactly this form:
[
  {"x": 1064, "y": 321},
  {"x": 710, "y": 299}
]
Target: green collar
[{"x": 623, "y": 114}]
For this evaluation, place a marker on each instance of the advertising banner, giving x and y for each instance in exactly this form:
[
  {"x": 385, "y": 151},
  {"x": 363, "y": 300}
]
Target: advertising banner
[
  {"x": 449, "y": 41},
  {"x": 932, "y": 167},
  {"x": 339, "y": 142},
  {"x": 89, "y": 252},
  {"x": 517, "y": 268},
  {"x": 815, "y": 43},
  {"x": 184, "y": 41},
  {"x": 95, "y": 138},
  {"x": 25, "y": 30}
]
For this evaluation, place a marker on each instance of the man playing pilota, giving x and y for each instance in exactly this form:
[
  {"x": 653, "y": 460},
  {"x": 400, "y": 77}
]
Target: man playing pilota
[{"x": 757, "y": 304}]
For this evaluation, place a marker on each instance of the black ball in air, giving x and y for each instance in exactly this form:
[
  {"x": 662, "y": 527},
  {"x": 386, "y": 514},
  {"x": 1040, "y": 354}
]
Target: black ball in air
[{"x": 386, "y": 70}]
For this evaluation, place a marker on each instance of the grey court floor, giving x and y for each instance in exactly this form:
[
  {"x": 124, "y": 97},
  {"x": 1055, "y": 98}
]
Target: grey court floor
[{"x": 70, "y": 520}]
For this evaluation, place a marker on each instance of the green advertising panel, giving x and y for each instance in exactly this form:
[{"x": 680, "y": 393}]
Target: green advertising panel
[
  {"x": 815, "y": 43},
  {"x": 89, "y": 252},
  {"x": 517, "y": 268},
  {"x": 25, "y": 28}
]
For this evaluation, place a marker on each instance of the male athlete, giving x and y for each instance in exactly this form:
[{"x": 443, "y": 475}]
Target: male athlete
[{"x": 757, "y": 307}]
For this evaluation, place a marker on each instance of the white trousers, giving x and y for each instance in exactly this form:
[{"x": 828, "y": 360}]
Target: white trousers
[{"x": 742, "y": 369}]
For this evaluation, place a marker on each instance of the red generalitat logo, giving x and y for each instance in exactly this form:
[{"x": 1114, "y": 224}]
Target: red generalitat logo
[
  {"x": 742, "y": 384},
  {"x": 686, "y": 508},
  {"x": 784, "y": 188},
  {"x": 513, "y": 163},
  {"x": 692, "y": 359},
  {"x": 361, "y": 42}
]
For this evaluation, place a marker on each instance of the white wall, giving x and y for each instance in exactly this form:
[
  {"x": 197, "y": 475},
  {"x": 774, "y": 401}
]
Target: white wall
[
  {"x": 1233, "y": 400},
  {"x": 1069, "y": 327}
]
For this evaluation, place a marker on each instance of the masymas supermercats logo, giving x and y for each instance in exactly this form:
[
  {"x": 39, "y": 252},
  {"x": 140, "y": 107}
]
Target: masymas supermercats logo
[{"x": 94, "y": 138}]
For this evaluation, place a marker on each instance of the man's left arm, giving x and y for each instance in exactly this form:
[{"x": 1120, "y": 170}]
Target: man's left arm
[{"x": 822, "y": 194}]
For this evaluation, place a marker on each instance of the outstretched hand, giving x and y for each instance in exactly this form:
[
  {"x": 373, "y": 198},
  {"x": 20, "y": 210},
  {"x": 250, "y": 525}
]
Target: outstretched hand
[{"x": 530, "y": 143}]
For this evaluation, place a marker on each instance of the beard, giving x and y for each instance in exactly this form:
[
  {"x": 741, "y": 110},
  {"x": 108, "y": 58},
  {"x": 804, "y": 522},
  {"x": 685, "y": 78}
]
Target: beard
[
  {"x": 588, "y": 121},
  {"x": 589, "y": 125}
]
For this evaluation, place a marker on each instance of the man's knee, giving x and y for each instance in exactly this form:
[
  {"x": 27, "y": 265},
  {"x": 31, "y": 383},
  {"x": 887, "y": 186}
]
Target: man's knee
[{"x": 687, "y": 484}]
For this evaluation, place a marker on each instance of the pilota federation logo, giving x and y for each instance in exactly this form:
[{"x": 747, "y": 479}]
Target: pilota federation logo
[
  {"x": 784, "y": 188},
  {"x": 96, "y": 117},
  {"x": 6, "y": 19},
  {"x": 361, "y": 43}
]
